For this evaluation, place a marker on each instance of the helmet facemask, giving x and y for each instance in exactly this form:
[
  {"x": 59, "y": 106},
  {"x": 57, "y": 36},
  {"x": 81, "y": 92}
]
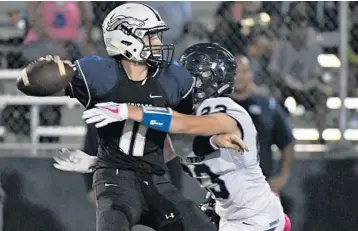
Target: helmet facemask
[
  {"x": 209, "y": 78},
  {"x": 209, "y": 84},
  {"x": 156, "y": 54}
]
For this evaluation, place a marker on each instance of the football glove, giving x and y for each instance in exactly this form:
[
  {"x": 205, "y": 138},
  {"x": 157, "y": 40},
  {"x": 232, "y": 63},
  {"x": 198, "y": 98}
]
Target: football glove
[
  {"x": 106, "y": 113},
  {"x": 74, "y": 161}
]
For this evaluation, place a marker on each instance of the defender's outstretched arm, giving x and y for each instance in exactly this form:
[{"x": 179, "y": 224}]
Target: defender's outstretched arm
[{"x": 175, "y": 122}]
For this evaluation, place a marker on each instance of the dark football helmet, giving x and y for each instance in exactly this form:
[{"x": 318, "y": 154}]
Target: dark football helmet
[{"x": 213, "y": 68}]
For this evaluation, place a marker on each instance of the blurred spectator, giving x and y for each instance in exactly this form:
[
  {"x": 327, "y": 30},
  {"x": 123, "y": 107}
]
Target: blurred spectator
[
  {"x": 55, "y": 29},
  {"x": 13, "y": 31},
  {"x": 259, "y": 52},
  {"x": 273, "y": 126},
  {"x": 228, "y": 30},
  {"x": 258, "y": 46},
  {"x": 274, "y": 9},
  {"x": 296, "y": 69},
  {"x": 19, "y": 213}
]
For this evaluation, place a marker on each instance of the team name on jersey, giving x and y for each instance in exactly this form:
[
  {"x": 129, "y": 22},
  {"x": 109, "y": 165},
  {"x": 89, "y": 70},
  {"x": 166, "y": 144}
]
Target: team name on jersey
[{"x": 139, "y": 104}]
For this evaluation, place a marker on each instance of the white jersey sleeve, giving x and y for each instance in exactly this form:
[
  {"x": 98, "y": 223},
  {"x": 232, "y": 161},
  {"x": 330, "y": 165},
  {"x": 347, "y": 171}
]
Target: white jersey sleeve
[{"x": 238, "y": 113}]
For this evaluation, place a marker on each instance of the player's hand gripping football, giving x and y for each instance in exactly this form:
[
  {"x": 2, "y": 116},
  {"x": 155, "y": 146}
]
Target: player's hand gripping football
[
  {"x": 105, "y": 113},
  {"x": 45, "y": 76},
  {"x": 74, "y": 161},
  {"x": 230, "y": 140}
]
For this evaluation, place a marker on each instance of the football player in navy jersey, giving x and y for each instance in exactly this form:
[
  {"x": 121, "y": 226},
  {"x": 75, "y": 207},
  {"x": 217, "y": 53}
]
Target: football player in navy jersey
[
  {"x": 244, "y": 199},
  {"x": 129, "y": 181}
]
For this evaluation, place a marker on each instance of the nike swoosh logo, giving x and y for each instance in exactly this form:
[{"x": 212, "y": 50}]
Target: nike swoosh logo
[
  {"x": 155, "y": 96},
  {"x": 114, "y": 110},
  {"x": 246, "y": 223}
]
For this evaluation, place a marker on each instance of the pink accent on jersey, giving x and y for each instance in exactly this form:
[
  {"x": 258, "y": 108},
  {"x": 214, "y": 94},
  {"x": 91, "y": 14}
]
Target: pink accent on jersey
[
  {"x": 287, "y": 224},
  {"x": 69, "y": 11}
]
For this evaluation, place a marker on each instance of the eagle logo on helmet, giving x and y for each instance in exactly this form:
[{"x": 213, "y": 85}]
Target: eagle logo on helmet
[{"x": 128, "y": 22}]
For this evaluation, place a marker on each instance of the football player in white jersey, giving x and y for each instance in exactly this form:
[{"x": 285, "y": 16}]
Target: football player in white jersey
[{"x": 243, "y": 197}]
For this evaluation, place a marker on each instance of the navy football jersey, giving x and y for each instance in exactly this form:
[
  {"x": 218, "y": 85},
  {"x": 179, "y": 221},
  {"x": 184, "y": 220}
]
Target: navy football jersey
[{"x": 128, "y": 144}]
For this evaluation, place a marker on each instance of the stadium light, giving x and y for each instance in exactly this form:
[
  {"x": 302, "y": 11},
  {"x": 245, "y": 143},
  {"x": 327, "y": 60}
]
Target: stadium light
[
  {"x": 350, "y": 134},
  {"x": 265, "y": 18},
  {"x": 305, "y": 134},
  {"x": 329, "y": 61},
  {"x": 309, "y": 148},
  {"x": 335, "y": 103},
  {"x": 331, "y": 134},
  {"x": 290, "y": 104},
  {"x": 351, "y": 103},
  {"x": 247, "y": 22}
]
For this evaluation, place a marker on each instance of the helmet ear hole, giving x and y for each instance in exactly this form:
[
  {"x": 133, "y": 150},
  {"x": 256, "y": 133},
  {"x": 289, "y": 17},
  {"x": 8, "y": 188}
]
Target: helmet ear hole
[
  {"x": 126, "y": 43},
  {"x": 128, "y": 55}
]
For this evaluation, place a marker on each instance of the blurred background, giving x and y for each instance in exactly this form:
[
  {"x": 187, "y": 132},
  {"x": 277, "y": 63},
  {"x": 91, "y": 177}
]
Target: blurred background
[{"x": 302, "y": 54}]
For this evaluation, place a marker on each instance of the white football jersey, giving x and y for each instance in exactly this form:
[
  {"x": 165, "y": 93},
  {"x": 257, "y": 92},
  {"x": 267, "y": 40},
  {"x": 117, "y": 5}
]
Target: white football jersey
[{"x": 235, "y": 178}]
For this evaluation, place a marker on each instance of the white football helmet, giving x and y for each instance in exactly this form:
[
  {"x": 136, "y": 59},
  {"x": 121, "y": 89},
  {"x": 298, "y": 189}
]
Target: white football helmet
[{"x": 124, "y": 29}]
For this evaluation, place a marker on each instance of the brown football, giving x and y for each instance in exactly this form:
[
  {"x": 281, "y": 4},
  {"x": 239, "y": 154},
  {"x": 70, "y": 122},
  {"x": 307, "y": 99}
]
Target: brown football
[{"x": 45, "y": 77}]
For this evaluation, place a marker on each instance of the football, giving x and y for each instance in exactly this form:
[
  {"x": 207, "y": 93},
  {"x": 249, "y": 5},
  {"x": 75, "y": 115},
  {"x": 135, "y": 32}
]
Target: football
[{"x": 45, "y": 77}]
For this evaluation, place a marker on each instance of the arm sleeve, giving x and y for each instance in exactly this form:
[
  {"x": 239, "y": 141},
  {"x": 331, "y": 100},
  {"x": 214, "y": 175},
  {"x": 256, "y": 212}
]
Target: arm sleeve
[
  {"x": 201, "y": 144},
  {"x": 78, "y": 88},
  {"x": 89, "y": 85},
  {"x": 282, "y": 127},
  {"x": 185, "y": 106}
]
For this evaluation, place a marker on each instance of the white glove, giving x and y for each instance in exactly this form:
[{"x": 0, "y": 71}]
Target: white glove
[
  {"x": 74, "y": 161},
  {"x": 106, "y": 113}
]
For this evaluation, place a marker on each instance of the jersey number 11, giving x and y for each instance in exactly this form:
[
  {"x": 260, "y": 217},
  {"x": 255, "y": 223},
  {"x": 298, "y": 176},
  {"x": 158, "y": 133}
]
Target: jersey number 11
[{"x": 133, "y": 136}]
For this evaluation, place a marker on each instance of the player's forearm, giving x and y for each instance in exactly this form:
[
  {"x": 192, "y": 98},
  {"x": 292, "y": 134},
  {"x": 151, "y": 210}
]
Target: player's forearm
[
  {"x": 187, "y": 124},
  {"x": 207, "y": 125},
  {"x": 287, "y": 159}
]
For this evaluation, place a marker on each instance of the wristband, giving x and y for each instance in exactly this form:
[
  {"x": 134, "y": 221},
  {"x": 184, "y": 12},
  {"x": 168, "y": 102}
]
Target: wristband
[{"x": 158, "y": 118}]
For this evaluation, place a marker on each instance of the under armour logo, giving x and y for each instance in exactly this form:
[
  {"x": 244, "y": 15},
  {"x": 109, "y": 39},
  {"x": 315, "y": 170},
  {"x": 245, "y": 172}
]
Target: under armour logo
[{"x": 171, "y": 215}]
